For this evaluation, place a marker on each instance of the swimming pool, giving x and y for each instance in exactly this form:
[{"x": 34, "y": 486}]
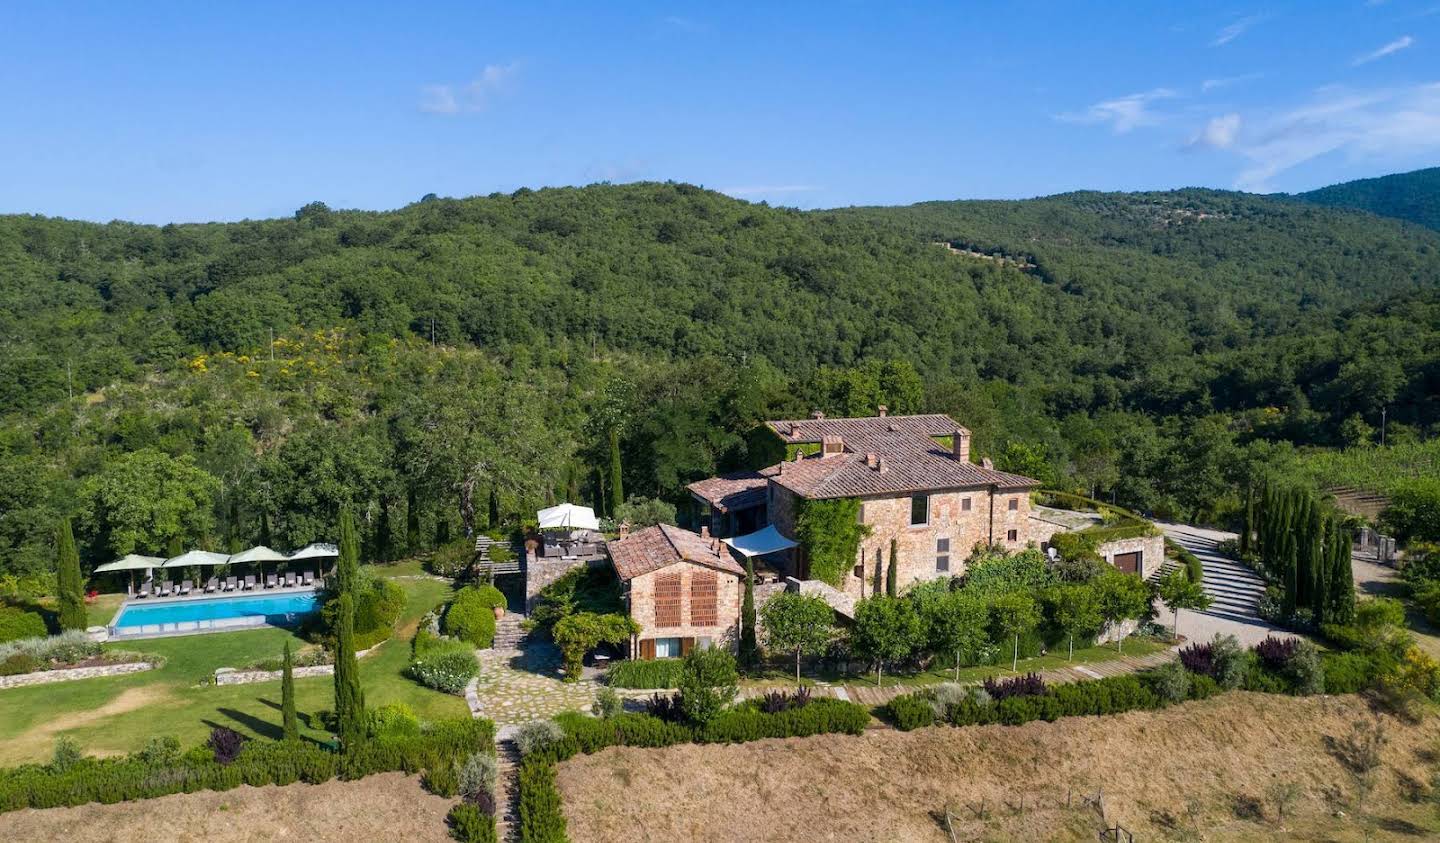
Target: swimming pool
[{"x": 196, "y": 614}]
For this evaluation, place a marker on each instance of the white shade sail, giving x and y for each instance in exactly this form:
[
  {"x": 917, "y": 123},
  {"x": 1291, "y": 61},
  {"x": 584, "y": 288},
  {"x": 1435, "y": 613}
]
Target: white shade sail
[
  {"x": 760, "y": 542},
  {"x": 259, "y": 553},
  {"x": 316, "y": 550},
  {"x": 568, "y": 516},
  {"x": 131, "y": 562},
  {"x": 197, "y": 558}
]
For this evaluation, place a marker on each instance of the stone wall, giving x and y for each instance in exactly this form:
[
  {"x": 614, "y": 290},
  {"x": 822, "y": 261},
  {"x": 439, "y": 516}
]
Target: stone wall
[
  {"x": 45, "y": 677},
  {"x": 1152, "y": 549},
  {"x": 889, "y": 518},
  {"x": 724, "y": 631},
  {"x": 540, "y": 572},
  {"x": 231, "y": 676}
]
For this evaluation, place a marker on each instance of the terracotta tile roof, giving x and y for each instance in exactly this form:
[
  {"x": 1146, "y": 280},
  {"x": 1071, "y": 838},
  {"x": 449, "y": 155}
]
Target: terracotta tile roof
[
  {"x": 657, "y": 547},
  {"x": 908, "y": 459},
  {"x": 727, "y": 492}
]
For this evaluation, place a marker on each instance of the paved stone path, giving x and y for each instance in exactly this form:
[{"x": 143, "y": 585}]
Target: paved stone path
[
  {"x": 507, "y": 790},
  {"x": 1234, "y": 588},
  {"x": 517, "y": 686}
]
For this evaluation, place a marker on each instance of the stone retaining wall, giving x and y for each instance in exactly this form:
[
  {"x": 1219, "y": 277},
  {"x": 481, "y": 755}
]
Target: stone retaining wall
[
  {"x": 235, "y": 676},
  {"x": 44, "y": 677}
]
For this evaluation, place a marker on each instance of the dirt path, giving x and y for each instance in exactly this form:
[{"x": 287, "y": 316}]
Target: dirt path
[
  {"x": 131, "y": 699},
  {"x": 387, "y": 807},
  {"x": 1383, "y": 581},
  {"x": 1206, "y": 766}
]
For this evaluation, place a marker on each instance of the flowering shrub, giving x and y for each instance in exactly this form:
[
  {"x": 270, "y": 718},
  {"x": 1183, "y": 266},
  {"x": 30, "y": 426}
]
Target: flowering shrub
[
  {"x": 445, "y": 666},
  {"x": 1028, "y": 685},
  {"x": 226, "y": 744},
  {"x": 1199, "y": 658},
  {"x": 1275, "y": 653}
]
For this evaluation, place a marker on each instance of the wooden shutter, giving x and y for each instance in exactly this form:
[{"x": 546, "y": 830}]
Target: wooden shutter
[
  {"x": 703, "y": 598},
  {"x": 647, "y": 649},
  {"x": 686, "y": 645},
  {"x": 667, "y": 600}
]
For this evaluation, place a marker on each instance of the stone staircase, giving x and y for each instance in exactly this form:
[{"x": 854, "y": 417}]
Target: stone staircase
[
  {"x": 507, "y": 789},
  {"x": 508, "y": 633},
  {"x": 1234, "y": 589}
]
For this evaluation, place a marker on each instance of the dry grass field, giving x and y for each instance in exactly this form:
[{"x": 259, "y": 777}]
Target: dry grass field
[
  {"x": 387, "y": 807},
  {"x": 1208, "y": 770}
]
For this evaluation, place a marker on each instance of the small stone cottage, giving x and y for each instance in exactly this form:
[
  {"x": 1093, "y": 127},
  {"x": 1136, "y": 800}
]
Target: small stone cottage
[{"x": 683, "y": 588}]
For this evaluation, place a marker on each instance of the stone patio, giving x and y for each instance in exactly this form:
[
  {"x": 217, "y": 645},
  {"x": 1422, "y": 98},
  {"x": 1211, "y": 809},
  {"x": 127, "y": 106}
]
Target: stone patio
[{"x": 517, "y": 686}]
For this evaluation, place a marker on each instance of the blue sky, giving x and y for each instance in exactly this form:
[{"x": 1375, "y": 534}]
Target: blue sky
[{"x": 183, "y": 112}]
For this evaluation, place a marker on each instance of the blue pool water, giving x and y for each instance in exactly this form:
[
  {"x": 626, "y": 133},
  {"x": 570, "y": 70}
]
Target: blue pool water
[{"x": 272, "y": 608}]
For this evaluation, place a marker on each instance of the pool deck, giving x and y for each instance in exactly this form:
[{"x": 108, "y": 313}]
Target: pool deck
[{"x": 198, "y": 627}]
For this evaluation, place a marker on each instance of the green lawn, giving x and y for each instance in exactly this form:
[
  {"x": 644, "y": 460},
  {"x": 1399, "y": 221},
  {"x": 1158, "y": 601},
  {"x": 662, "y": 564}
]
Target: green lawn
[
  {"x": 118, "y": 714},
  {"x": 1089, "y": 655}
]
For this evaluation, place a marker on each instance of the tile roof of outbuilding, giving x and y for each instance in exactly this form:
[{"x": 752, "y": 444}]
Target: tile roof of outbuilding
[
  {"x": 663, "y": 545},
  {"x": 740, "y": 490},
  {"x": 860, "y": 430}
]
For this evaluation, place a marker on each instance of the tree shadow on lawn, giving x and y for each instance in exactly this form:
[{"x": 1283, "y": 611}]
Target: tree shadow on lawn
[{"x": 263, "y": 728}]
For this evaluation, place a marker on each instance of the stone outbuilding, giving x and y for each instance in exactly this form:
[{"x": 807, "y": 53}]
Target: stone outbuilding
[{"x": 682, "y": 588}]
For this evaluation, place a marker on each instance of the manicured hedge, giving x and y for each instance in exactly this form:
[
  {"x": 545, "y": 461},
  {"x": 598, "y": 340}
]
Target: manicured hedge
[
  {"x": 634, "y": 673},
  {"x": 469, "y": 824},
  {"x": 16, "y": 623},
  {"x": 471, "y": 616},
  {"x": 1111, "y": 695},
  {"x": 111, "y": 780}
]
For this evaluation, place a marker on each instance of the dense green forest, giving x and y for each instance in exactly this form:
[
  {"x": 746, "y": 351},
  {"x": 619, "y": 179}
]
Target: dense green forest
[
  {"x": 1413, "y": 196},
  {"x": 451, "y": 365}
]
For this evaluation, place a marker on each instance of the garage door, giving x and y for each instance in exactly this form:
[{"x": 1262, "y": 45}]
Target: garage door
[{"x": 1129, "y": 562}]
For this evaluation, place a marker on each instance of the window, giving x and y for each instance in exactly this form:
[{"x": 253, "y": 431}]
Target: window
[
  {"x": 942, "y": 554},
  {"x": 667, "y": 600},
  {"x": 942, "y": 545},
  {"x": 1014, "y": 504},
  {"x": 667, "y": 648},
  {"x": 702, "y": 599},
  {"x": 964, "y": 504},
  {"x": 1012, "y": 536},
  {"x": 919, "y": 509}
]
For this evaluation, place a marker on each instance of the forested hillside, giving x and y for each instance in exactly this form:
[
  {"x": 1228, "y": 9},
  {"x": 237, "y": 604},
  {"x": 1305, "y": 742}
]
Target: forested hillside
[
  {"x": 453, "y": 364},
  {"x": 1413, "y": 196}
]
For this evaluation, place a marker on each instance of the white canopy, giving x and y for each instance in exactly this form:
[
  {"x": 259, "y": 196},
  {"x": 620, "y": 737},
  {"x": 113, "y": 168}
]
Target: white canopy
[
  {"x": 315, "y": 550},
  {"x": 760, "y": 542},
  {"x": 195, "y": 558},
  {"x": 259, "y": 553},
  {"x": 568, "y": 516},
  {"x": 130, "y": 562}
]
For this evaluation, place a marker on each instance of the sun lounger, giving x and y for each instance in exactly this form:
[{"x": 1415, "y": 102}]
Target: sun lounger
[
  {"x": 186, "y": 586},
  {"x": 212, "y": 584},
  {"x": 143, "y": 590},
  {"x": 269, "y": 580},
  {"x": 309, "y": 578},
  {"x": 250, "y": 582},
  {"x": 165, "y": 589},
  {"x": 230, "y": 583},
  {"x": 289, "y": 579}
]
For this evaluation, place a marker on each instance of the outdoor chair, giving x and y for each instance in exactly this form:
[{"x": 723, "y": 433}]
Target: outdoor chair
[
  {"x": 309, "y": 578},
  {"x": 186, "y": 586},
  {"x": 165, "y": 588},
  {"x": 289, "y": 579},
  {"x": 269, "y": 580},
  {"x": 230, "y": 583},
  {"x": 143, "y": 590},
  {"x": 249, "y": 582},
  {"x": 212, "y": 584}
]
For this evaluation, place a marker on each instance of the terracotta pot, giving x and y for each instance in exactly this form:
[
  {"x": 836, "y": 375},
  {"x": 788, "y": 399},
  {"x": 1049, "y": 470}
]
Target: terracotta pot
[{"x": 499, "y": 612}]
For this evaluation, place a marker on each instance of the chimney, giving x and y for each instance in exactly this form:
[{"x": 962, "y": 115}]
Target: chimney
[
  {"x": 881, "y": 466},
  {"x": 883, "y": 410},
  {"x": 986, "y": 463},
  {"x": 704, "y": 531},
  {"x": 960, "y": 442},
  {"x": 817, "y": 415},
  {"x": 871, "y": 460},
  {"x": 831, "y": 445},
  {"x": 624, "y": 529}
]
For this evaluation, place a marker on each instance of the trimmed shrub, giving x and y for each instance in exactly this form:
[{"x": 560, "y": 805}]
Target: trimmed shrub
[
  {"x": 746, "y": 723},
  {"x": 446, "y": 666},
  {"x": 442, "y": 781},
  {"x": 19, "y": 663},
  {"x": 541, "y": 818},
  {"x": 656, "y": 673},
  {"x": 1171, "y": 682},
  {"x": 1348, "y": 673},
  {"x": 469, "y": 824},
  {"x": 160, "y": 751},
  {"x": 471, "y": 616},
  {"x": 477, "y": 775},
  {"x": 1231, "y": 664},
  {"x": 607, "y": 704},
  {"x": 1304, "y": 671},
  {"x": 17, "y": 623},
  {"x": 910, "y": 711},
  {"x": 707, "y": 684},
  {"x": 67, "y": 754},
  {"x": 394, "y": 720},
  {"x": 537, "y": 736}
]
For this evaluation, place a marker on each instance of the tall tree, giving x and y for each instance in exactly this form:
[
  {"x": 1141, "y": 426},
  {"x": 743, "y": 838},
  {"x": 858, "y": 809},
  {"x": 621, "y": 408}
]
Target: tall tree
[
  {"x": 1122, "y": 597},
  {"x": 384, "y": 540},
  {"x": 892, "y": 574},
  {"x": 886, "y": 629},
  {"x": 290, "y": 720},
  {"x": 617, "y": 486},
  {"x": 956, "y": 625},
  {"x": 1341, "y": 580},
  {"x": 749, "y": 648},
  {"x": 1013, "y": 615},
  {"x": 70, "y": 583},
  {"x": 347, "y": 565},
  {"x": 412, "y": 522},
  {"x": 798, "y": 624},
  {"x": 879, "y": 588},
  {"x": 1179, "y": 592},
  {"x": 349, "y": 697},
  {"x": 1076, "y": 610}
]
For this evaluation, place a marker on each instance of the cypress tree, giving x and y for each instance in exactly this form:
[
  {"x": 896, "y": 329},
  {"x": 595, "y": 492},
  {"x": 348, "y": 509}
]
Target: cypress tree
[
  {"x": 384, "y": 540},
  {"x": 347, "y": 566},
  {"x": 265, "y": 537},
  {"x": 494, "y": 511},
  {"x": 349, "y": 699},
  {"x": 1317, "y": 561},
  {"x": 749, "y": 648},
  {"x": 1285, "y": 542},
  {"x": 287, "y": 696},
  {"x": 70, "y": 583},
  {"x": 617, "y": 489},
  {"x": 233, "y": 542},
  {"x": 879, "y": 573},
  {"x": 412, "y": 523},
  {"x": 1342, "y": 582},
  {"x": 174, "y": 547},
  {"x": 1304, "y": 575},
  {"x": 1249, "y": 526},
  {"x": 891, "y": 574}
]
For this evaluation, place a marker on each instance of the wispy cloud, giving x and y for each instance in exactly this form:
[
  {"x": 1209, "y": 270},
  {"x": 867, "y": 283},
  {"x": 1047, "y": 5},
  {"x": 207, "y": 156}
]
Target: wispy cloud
[
  {"x": 476, "y": 95},
  {"x": 1124, "y": 114},
  {"x": 1219, "y": 133},
  {"x": 1402, "y": 43},
  {"x": 1362, "y": 124},
  {"x": 1224, "y": 82},
  {"x": 685, "y": 24},
  {"x": 768, "y": 189},
  {"x": 1236, "y": 29}
]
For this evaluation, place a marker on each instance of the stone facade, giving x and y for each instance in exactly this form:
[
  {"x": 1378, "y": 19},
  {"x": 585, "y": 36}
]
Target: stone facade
[
  {"x": 540, "y": 572},
  {"x": 1150, "y": 548},
  {"x": 640, "y": 597},
  {"x": 45, "y": 677}
]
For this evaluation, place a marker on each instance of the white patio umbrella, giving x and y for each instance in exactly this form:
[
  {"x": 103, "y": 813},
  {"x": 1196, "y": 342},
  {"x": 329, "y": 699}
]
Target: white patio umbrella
[
  {"x": 568, "y": 516},
  {"x": 197, "y": 558},
  {"x": 259, "y": 553},
  {"x": 315, "y": 550},
  {"x": 131, "y": 562}
]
